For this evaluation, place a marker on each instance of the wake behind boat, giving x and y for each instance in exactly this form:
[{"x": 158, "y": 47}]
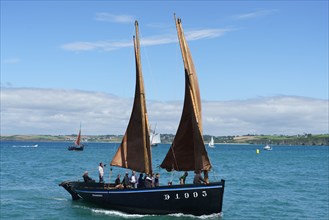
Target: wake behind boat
[{"x": 187, "y": 153}]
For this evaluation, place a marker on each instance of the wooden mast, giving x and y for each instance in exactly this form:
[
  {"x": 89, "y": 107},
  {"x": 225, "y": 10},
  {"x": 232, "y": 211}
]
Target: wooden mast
[
  {"x": 189, "y": 68},
  {"x": 134, "y": 151},
  {"x": 187, "y": 151},
  {"x": 145, "y": 125}
]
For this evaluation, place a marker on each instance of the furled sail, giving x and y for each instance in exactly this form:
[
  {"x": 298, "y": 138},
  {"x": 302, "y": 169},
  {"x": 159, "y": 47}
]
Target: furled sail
[
  {"x": 134, "y": 151},
  {"x": 188, "y": 151}
]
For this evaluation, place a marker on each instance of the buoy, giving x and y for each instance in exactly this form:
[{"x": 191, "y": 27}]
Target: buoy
[{"x": 257, "y": 151}]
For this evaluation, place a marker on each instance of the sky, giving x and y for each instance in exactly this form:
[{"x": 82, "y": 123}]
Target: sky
[{"x": 262, "y": 66}]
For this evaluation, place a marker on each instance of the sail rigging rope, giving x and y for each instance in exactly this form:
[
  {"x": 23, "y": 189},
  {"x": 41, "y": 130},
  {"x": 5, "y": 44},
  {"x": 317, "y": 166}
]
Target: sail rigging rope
[
  {"x": 149, "y": 67},
  {"x": 173, "y": 153}
]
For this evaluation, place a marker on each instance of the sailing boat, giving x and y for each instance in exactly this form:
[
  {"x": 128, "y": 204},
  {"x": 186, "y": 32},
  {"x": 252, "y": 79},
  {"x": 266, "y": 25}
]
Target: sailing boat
[
  {"x": 211, "y": 143},
  {"x": 155, "y": 138},
  {"x": 78, "y": 146},
  {"x": 187, "y": 153},
  {"x": 267, "y": 147}
]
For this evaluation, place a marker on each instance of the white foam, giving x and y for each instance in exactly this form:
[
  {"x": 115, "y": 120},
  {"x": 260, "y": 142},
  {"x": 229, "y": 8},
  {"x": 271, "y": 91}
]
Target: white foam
[
  {"x": 136, "y": 216},
  {"x": 130, "y": 216},
  {"x": 212, "y": 216},
  {"x": 26, "y": 146},
  {"x": 119, "y": 214},
  {"x": 60, "y": 199}
]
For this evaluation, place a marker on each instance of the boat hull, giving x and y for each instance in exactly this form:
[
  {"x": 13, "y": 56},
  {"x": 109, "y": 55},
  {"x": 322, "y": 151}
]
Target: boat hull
[
  {"x": 75, "y": 148},
  {"x": 187, "y": 199}
]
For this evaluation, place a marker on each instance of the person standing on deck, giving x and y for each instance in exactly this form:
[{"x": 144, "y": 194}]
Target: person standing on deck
[
  {"x": 125, "y": 181},
  {"x": 101, "y": 172},
  {"x": 198, "y": 179},
  {"x": 183, "y": 178},
  {"x": 157, "y": 180},
  {"x": 148, "y": 181},
  {"x": 133, "y": 179},
  {"x": 140, "y": 181}
]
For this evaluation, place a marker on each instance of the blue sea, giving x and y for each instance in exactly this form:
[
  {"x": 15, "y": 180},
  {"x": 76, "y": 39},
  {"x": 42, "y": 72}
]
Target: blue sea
[{"x": 289, "y": 182}]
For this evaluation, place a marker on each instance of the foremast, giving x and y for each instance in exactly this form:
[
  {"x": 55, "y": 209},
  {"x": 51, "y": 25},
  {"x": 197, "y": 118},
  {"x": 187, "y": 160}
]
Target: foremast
[{"x": 134, "y": 151}]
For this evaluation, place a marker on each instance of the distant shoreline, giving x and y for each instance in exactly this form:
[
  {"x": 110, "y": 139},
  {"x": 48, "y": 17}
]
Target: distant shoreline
[{"x": 306, "y": 139}]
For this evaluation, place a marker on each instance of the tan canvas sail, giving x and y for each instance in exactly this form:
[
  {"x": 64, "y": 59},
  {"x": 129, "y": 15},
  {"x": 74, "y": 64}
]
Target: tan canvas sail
[
  {"x": 134, "y": 151},
  {"x": 188, "y": 151},
  {"x": 78, "y": 140}
]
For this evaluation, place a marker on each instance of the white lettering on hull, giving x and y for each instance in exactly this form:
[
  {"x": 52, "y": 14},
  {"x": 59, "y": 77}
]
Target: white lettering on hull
[
  {"x": 185, "y": 195},
  {"x": 96, "y": 195}
]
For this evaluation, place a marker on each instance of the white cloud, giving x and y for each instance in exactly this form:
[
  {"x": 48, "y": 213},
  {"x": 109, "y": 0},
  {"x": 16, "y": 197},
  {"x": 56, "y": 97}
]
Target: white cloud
[
  {"x": 98, "y": 45},
  {"x": 103, "y": 16},
  {"x": 51, "y": 111},
  {"x": 145, "y": 41},
  {"x": 254, "y": 14},
  {"x": 206, "y": 33},
  {"x": 270, "y": 115},
  {"x": 28, "y": 110}
]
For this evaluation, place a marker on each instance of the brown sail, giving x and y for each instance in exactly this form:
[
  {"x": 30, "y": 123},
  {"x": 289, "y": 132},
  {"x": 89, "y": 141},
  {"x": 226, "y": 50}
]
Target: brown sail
[
  {"x": 188, "y": 151},
  {"x": 134, "y": 151}
]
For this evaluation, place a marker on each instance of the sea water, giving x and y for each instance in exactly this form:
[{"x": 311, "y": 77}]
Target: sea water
[{"x": 289, "y": 182}]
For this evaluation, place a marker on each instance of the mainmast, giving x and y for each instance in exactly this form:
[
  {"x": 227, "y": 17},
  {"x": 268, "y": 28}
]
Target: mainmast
[{"x": 187, "y": 152}]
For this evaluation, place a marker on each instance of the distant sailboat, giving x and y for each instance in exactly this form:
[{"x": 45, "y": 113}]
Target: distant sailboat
[
  {"x": 267, "y": 147},
  {"x": 211, "y": 143},
  {"x": 77, "y": 146},
  {"x": 155, "y": 138}
]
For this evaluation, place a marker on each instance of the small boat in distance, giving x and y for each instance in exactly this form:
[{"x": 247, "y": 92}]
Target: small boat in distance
[
  {"x": 211, "y": 144},
  {"x": 77, "y": 146},
  {"x": 267, "y": 147},
  {"x": 155, "y": 138}
]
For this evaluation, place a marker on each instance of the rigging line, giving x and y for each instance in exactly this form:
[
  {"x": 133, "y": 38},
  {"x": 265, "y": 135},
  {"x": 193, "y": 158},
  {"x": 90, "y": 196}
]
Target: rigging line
[
  {"x": 173, "y": 175},
  {"x": 173, "y": 153},
  {"x": 213, "y": 169},
  {"x": 149, "y": 67},
  {"x": 126, "y": 72}
]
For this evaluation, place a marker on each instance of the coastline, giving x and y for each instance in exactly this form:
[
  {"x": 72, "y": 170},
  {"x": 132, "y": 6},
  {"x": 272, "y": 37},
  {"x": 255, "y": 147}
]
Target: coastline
[{"x": 306, "y": 139}]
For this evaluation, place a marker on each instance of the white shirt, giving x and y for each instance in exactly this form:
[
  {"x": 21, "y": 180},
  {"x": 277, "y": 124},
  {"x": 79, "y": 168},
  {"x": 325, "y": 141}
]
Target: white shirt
[
  {"x": 133, "y": 179},
  {"x": 100, "y": 171}
]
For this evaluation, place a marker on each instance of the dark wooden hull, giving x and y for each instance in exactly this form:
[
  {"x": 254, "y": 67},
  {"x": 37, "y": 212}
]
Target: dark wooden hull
[
  {"x": 187, "y": 199},
  {"x": 76, "y": 148}
]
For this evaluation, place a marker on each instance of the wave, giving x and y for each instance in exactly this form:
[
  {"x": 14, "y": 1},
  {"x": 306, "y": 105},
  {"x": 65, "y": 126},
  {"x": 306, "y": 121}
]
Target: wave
[
  {"x": 117, "y": 213},
  {"x": 212, "y": 216},
  {"x": 131, "y": 216},
  {"x": 26, "y": 146},
  {"x": 60, "y": 199}
]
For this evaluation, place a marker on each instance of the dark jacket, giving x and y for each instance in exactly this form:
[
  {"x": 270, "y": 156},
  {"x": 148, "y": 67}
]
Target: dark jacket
[
  {"x": 86, "y": 178},
  {"x": 125, "y": 181},
  {"x": 117, "y": 181},
  {"x": 198, "y": 179},
  {"x": 140, "y": 182}
]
